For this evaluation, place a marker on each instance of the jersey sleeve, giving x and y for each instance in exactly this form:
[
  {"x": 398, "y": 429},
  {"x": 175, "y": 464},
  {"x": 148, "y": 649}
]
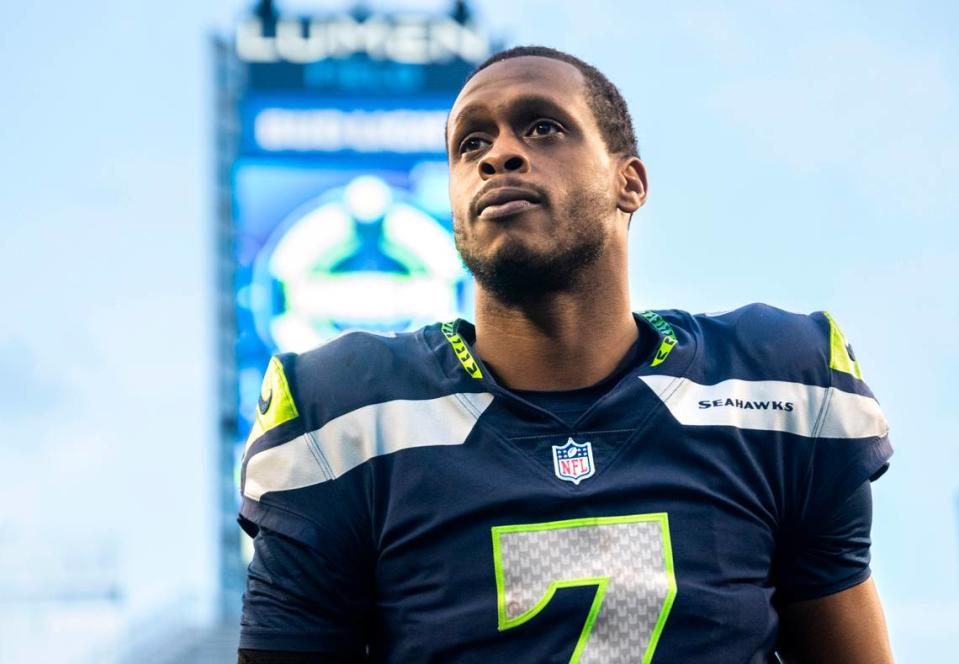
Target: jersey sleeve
[
  {"x": 832, "y": 556},
  {"x": 302, "y": 599},
  {"x": 309, "y": 585},
  {"x": 825, "y": 544}
]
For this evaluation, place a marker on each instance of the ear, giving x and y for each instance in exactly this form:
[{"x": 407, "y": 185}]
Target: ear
[{"x": 632, "y": 187}]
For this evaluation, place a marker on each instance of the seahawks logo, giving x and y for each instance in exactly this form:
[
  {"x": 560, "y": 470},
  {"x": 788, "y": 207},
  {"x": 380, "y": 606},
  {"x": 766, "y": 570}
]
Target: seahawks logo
[
  {"x": 264, "y": 404},
  {"x": 667, "y": 345}
]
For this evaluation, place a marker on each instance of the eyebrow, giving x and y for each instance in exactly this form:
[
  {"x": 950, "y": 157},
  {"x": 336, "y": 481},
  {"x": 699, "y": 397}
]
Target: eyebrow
[{"x": 522, "y": 105}]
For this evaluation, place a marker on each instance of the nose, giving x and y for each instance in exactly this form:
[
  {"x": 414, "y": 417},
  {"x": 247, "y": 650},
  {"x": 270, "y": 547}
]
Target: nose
[{"x": 505, "y": 156}]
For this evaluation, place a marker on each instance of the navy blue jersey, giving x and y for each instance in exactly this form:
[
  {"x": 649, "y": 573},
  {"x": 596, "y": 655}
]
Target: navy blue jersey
[{"x": 408, "y": 508}]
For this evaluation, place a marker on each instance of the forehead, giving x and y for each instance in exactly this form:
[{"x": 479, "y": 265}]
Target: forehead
[{"x": 526, "y": 75}]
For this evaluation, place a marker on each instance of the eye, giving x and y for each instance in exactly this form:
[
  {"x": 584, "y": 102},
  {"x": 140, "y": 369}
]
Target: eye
[
  {"x": 471, "y": 144},
  {"x": 544, "y": 128}
]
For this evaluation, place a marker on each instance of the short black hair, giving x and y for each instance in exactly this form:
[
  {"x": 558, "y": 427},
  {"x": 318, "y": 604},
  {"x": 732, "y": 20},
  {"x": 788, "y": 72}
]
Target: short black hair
[{"x": 604, "y": 98}]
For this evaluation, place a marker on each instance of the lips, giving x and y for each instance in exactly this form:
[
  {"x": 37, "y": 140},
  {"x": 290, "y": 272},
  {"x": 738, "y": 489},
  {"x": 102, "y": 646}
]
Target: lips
[{"x": 504, "y": 201}]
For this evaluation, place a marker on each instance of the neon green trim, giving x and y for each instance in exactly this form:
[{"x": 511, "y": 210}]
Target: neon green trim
[
  {"x": 664, "y": 350},
  {"x": 594, "y": 608},
  {"x": 462, "y": 350},
  {"x": 601, "y": 582},
  {"x": 670, "y": 593},
  {"x": 839, "y": 357},
  {"x": 665, "y": 331},
  {"x": 280, "y": 407}
]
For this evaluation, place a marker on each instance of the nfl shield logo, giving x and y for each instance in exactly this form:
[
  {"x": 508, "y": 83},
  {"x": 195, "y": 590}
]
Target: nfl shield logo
[{"x": 573, "y": 461}]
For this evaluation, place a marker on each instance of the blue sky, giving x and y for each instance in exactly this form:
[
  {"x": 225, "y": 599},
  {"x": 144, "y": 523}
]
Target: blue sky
[{"x": 800, "y": 153}]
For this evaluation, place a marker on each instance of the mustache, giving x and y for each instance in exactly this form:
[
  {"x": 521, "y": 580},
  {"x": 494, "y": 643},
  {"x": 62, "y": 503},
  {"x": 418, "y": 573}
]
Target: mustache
[{"x": 506, "y": 182}]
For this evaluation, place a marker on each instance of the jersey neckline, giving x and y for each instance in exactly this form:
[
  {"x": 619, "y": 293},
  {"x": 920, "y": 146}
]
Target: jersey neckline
[{"x": 672, "y": 350}]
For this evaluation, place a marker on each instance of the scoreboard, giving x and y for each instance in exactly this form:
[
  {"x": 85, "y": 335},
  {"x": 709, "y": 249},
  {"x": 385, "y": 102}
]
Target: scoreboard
[{"x": 332, "y": 204}]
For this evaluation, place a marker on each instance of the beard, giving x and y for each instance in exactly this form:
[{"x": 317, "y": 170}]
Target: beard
[{"x": 517, "y": 274}]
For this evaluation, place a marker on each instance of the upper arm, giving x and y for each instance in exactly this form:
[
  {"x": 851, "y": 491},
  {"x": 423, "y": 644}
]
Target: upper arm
[
  {"x": 823, "y": 537},
  {"x": 300, "y": 599},
  {"x": 846, "y": 628},
  {"x": 830, "y": 610},
  {"x": 309, "y": 584},
  {"x": 828, "y": 605}
]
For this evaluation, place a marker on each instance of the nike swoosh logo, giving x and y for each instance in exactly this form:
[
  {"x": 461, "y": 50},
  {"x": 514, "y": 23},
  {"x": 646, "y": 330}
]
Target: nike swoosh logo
[{"x": 264, "y": 404}]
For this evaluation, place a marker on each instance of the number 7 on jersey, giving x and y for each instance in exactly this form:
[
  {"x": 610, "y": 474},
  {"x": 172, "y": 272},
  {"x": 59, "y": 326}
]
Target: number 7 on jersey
[{"x": 629, "y": 560}]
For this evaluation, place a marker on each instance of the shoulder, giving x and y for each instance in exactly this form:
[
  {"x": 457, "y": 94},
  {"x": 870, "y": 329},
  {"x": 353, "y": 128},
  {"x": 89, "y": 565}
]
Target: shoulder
[
  {"x": 758, "y": 356},
  {"x": 301, "y": 391},
  {"x": 762, "y": 342},
  {"x": 790, "y": 378},
  {"x": 762, "y": 350},
  {"x": 359, "y": 396},
  {"x": 304, "y": 392},
  {"x": 347, "y": 388},
  {"x": 359, "y": 368}
]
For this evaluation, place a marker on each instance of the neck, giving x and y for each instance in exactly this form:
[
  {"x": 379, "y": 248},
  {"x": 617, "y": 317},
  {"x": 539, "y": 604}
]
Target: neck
[{"x": 563, "y": 341}]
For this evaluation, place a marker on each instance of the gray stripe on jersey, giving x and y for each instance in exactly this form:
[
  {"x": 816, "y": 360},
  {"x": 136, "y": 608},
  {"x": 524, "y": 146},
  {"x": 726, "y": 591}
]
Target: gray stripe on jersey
[
  {"x": 771, "y": 405},
  {"x": 355, "y": 437}
]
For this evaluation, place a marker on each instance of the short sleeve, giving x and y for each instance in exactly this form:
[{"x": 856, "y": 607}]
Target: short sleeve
[
  {"x": 851, "y": 433},
  {"x": 301, "y": 599},
  {"x": 824, "y": 544},
  {"x": 831, "y": 556},
  {"x": 309, "y": 585}
]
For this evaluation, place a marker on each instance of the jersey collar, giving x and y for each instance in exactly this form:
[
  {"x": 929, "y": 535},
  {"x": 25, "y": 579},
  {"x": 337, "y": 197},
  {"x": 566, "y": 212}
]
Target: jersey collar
[{"x": 452, "y": 345}]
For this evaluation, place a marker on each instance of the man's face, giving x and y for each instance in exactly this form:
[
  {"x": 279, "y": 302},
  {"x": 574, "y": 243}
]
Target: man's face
[{"x": 532, "y": 183}]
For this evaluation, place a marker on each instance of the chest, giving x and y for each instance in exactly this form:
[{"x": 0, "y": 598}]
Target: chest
[{"x": 665, "y": 543}]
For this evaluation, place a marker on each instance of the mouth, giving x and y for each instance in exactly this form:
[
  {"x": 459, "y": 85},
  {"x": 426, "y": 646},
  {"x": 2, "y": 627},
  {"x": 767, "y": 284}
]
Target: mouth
[
  {"x": 506, "y": 201},
  {"x": 506, "y": 209}
]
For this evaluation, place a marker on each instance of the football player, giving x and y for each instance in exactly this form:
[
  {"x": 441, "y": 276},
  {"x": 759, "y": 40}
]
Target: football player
[{"x": 563, "y": 480}]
